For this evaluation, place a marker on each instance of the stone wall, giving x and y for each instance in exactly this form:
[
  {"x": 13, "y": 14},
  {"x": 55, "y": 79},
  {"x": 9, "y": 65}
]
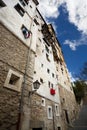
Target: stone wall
[
  {"x": 68, "y": 104},
  {"x": 39, "y": 114},
  {"x": 13, "y": 55}
]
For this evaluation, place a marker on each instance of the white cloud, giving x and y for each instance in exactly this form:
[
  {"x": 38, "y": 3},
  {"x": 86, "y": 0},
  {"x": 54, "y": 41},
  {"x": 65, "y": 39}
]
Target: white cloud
[
  {"x": 49, "y": 8},
  {"x": 71, "y": 77},
  {"x": 75, "y": 43},
  {"x": 77, "y": 14},
  {"x": 77, "y": 10}
]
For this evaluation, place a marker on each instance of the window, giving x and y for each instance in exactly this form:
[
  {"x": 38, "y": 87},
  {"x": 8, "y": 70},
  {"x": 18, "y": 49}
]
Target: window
[
  {"x": 34, "y": 72},
  {"x": 2, "y": 4},
  {"x": 25, "y": 32},
  {"x": 53, "y": 75},
  {"x": 19, "y": 9},
  {"x": 59, "y": 128},
  {"x": 36, "y": 22},
  {"x": 46, "y": 48},
  {"x": 30, "y": 6},
  {"x": 47, "y": 57},
  {"x": 43, "y": 102},
  {"x": 49, "y": 84},
  {"x": 62, "y": 70},
  {"x": 48, "y": 71},
  {"x": 13, "y": 81},
  {"x": 41, "y": 65},
  {"x": 57, "y": 76},
  {"x": 24, "y": 2},
  {"x": 39, "y": 39},
  {"x": 57, "y": 109},
  {"x": 49, "y": 112},
  {"x": 41, "y": 80}
]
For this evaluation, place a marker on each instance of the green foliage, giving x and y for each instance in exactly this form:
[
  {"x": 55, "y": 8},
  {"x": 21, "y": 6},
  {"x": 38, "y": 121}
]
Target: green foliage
[
  {"x": 78, "y": 88},
  {"x": 83, "y": 72}
]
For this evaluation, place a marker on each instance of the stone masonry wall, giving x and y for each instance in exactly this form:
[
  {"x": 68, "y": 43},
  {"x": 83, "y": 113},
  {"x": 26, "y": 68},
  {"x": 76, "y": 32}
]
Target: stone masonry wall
[
  {"x": 13, "y": 55},
  {"x": 39, "y": 114},
  {"x": 68, "y": 103}
]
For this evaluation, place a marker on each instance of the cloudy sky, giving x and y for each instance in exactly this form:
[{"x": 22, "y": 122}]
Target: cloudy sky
[{"x": 69, "y": 18}]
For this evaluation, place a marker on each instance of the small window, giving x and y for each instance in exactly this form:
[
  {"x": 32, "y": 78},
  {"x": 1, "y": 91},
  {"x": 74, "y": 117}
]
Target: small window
[
  {"x": 49, "y": 112},
  {"x": 25, "y": 32},
  {"x": 39, "y": 39},
  {"x": 46, "y": 48},
  {"x": 57, "y": 76},
  {"x": 43, "y": 102},
  {"x": 57, "y": 109},
  {"x": 30, "y": 6},
  {"x": 48, "y": 71},
  {"x": 19, "y": 9},
  {"x": 2, "y": 4},
  {"x": 53, "y": 75},
  {"x": 36, "y": 22},
  {"x": 34, "y": 72},
  {"x": 41, "y": 65},
  {"x": 59, "y": 128},
  {"x": 47, "y": 57},
  {"x": 41, "y": 80},
  {"x": 49, "y": 84},
  {"x": 13, "y": 81}
]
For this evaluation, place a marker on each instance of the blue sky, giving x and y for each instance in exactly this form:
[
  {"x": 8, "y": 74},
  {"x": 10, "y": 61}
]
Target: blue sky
[{"x": 69, "y": 20}]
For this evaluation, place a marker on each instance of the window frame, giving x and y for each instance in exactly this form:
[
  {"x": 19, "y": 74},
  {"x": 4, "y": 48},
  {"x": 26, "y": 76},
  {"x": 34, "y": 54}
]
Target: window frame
[
  {"x": 48, "y": 112},
  {"x": 18, "y": 85},
  {"x": 19, "y": 9}
]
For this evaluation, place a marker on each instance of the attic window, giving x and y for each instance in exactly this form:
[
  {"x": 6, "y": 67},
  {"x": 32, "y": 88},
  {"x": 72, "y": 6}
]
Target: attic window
[
  {"x": 2, "y": 4},
  {"x": 36, "y": 22},
  {"x": 25, "y": 32},
  {"x": 19, "y": 9}
]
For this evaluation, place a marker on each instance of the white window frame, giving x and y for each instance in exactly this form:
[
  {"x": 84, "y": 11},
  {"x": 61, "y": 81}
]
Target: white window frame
[
  {"x": 48, "y": 112},
  {"x": 17, "y": 85}
]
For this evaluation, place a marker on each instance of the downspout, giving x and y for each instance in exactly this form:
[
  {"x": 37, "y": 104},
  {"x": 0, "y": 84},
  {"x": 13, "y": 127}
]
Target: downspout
[{"x": 24, "y": 84}]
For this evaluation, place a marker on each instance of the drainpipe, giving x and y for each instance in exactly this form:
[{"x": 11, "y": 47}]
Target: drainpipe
[{"x": 20, "y": 118}]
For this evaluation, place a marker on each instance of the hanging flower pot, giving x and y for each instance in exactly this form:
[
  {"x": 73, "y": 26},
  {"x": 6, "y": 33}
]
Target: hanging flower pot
[{"x": 52, "y": 91}]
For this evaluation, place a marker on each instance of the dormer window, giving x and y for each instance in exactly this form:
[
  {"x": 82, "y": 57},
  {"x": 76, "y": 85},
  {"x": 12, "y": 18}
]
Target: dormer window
[
  {"x": 19, "y": 9},
  {"x": 25, "y": 32}
]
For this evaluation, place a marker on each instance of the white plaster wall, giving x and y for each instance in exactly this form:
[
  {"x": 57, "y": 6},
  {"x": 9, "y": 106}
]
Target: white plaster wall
[
  {"x": 41, "y": 72},
  {"x": 13, "y": 21}
]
